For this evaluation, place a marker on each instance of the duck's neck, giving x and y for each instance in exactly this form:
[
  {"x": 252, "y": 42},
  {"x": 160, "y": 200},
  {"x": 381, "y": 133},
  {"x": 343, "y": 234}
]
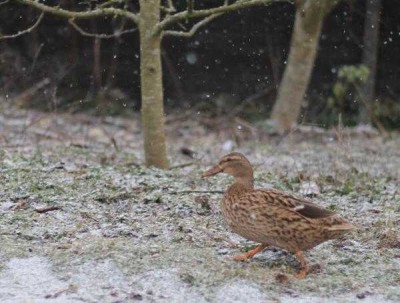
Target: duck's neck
[{"x": 241, "y": 186}]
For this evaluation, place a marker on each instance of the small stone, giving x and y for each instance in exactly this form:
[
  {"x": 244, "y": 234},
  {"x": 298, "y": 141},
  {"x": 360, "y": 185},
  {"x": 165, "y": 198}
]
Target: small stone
[
  {"x": 389, "y": 239},
  {"x": 363, "y": 294},
  {"x": 282, "y": 278},
  {"x": 137, "y": 297},
  {"x": 114, "y": 293},
  {"x": 374, "y": 211},
  {"x": 151, "y": 235},
  {"x": 187, "y": 278},
  {"x": 315, "y": 269},
  {"x": 222, "y": 251},
  {"x": 203, "y": 201}
]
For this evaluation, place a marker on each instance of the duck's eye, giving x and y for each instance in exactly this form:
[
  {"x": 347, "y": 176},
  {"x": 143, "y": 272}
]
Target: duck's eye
[{"x": 225, "y": 160}]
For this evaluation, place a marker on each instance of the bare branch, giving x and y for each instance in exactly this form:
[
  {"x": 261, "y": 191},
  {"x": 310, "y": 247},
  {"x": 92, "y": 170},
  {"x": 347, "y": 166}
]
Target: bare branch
[
  {"x": 98, "y": 12},
  {"x": 170, "y": 9},
  {"x": 116, "y": 34},
  {"x": 110, "y": 3},
  {"x": 196, "y": 192},
  {"x": 189, "y": 6},
  {"x": 240, "y": 4},
  {"x": 37, "y": 53},
  {"x": 47, "y": 209},
  {"x": 194, "y": 28},
  {"x": 25, "y": 31},
  {"x": 4, "y": 2}
]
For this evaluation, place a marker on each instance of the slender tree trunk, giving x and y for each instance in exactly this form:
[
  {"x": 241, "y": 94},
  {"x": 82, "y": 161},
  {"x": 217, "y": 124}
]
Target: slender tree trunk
[
  {"x": 97, "y": 74},
  {"x": 370, "y": 53},
  {"x": 151, "y": 85},
  {"x": 303, "y": 48}
]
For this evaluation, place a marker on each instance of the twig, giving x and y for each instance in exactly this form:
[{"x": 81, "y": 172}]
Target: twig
[
  {"x": 246, "y": 124},
  {"x": 79, "y": 144},
  {"x": 36, "y": 57},
  {"x": 110, "y": 3},
  {"x": 70, "y": 288},
  {"x": 174, "y": 75},
  {"x": 4, "y": 2},
  {"x": 47, "y": 134},
  {"x": 189, "y": 6},
  {"x": 181, "y": 16},
  {"x": 182, "y": 165},
  {"x": 109, "y": 136},
  {"x": 132, "y": 163},
  {"x": 30, "y": 92},
  {"x": 86, "y": 215},
  {"x": 170, "y": 9},
  {"x": 196, "y": 192},
  {"x": 47, "y": 209},
  {"x": 373, "y": 117},
  {"x": 194, "y": 28},
  {"x": 116, "y": 34},
  {"x": 339, "y": 128},
  {"x": 114, "y": 55},
  {"x": 97, "y": 74},
  {"x": 98, "y": 12},
  {"x": 25, "y": 31}
]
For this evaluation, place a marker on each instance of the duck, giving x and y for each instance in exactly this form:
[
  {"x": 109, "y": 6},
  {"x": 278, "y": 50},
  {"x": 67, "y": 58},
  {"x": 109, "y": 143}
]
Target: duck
[{"x": 271, "y": 217}]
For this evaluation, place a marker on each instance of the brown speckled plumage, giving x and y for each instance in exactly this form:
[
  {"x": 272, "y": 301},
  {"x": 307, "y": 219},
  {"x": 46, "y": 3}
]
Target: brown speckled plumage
[{"x": 272, "y": 217}]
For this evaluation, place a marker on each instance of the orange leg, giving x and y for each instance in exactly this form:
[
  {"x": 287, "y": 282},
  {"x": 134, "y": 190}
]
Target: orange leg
[
  {"x": 250, "y": 254},
  {"x": 303, "y": 262}
]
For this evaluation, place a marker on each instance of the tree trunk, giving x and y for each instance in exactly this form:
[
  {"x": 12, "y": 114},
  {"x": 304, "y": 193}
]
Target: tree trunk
[
  {"x": 303, "y": 48},
  {"x": 151, "y": 85},
  {"x": 370, "y": 52},
  {"x": 97, "y": 74}
]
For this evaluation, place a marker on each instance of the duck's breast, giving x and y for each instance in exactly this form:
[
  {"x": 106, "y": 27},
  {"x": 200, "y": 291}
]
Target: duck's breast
[{"x": 245, "y": 220}]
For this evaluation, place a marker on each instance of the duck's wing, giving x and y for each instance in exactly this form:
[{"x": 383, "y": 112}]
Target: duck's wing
[{"x": 292, "y": 203}]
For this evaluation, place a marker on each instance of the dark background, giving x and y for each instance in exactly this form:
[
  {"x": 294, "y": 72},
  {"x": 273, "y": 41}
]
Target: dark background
[{"x": 239, "y": 56}]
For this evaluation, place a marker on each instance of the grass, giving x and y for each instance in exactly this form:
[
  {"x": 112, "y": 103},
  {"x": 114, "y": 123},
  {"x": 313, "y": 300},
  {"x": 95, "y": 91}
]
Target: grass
[{"x": 123, "y": 213}]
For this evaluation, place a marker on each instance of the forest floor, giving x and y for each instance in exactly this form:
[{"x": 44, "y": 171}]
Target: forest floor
[{"x": 82, "y": 220}]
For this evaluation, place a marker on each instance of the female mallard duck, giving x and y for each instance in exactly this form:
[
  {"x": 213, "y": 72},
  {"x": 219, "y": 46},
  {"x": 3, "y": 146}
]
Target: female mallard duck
[{"x": 272, "y": 217}]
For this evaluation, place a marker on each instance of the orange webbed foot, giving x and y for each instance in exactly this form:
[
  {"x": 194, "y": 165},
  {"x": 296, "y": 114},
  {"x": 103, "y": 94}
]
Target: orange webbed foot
[
  {"x": 250, "y": 254},
  {"x": 302, "y": 273},
  {"x": 242, "y": 257}
]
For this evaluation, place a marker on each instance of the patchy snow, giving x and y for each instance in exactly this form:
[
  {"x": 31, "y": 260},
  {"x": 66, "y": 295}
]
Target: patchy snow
[
  {"x": 31, "y": 280},
  {"x": 127, "y": 233}
]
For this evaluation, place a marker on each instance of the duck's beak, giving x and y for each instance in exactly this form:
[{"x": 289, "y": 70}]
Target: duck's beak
[{"x": 212, "y": 171}]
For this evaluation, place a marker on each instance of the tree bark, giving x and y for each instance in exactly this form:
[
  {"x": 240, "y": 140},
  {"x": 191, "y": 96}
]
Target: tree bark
[
  {"x": 370, "y": 53},
  {"x": 151, "y": 85},
  {"x": 303, "y": 48},
  {"x": 151, "y": 30},
  {"x": 97, "y": 74}
]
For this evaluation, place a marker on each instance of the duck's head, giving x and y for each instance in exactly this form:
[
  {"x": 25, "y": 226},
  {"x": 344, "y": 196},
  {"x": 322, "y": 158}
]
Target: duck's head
[{"x": 234, "y": 164}]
